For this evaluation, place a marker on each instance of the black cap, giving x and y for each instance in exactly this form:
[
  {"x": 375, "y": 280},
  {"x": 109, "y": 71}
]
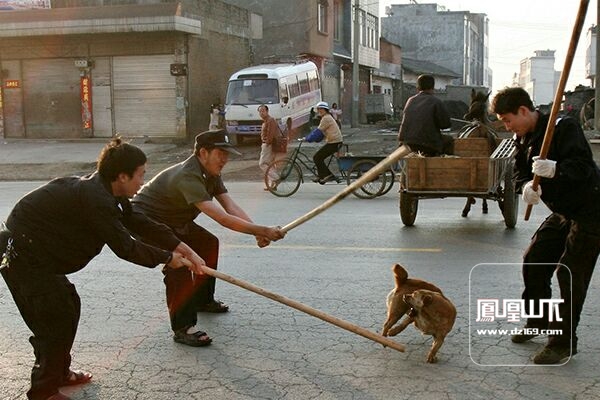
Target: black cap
[{"x": 212, "y": 139}]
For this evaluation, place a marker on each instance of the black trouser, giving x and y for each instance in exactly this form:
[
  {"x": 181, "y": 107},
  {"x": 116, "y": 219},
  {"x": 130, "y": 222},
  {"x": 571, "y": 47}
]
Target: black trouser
[
  {"x": 50, "y": 306},
  {"x": 321, "y": 155},
  {"x": 185, "y": 292},
  {"x": 560, "y": 242}
]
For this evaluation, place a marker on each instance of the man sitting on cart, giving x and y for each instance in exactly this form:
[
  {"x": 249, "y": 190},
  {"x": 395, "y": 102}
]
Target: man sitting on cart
[{"x": 424, "y": 117}]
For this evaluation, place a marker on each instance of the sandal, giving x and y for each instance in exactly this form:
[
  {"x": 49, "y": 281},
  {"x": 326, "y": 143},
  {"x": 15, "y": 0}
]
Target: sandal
[
  {"x": 77, "y": 377},
  {"x": 213, "y": 307},
  {"x": 197, "y": 339}
]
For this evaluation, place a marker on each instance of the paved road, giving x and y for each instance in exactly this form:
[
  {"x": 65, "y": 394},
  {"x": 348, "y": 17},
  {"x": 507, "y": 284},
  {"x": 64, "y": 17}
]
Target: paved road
[{"x": 339, "y": 263}]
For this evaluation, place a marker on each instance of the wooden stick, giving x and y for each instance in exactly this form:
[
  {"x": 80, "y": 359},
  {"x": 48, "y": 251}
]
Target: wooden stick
[
  {"x": 564, "y": 76},
  {"x": 369, "y": 175},
  {"x": 304, "y": 308}
]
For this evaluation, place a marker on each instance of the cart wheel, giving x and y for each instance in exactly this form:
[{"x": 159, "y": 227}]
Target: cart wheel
[
  {"x": 370, "y": 189},
  {"x": 509, "y": 204},
  {"x": 409, "y": 205},
  {"x": 289, "y": 177},
  {"x": 390, "y": 178}
]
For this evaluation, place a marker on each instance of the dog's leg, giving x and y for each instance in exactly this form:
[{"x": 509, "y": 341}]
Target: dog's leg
[
  {"x": 395, "y": 312},
  {"x": 402, "y": 326},
  {"x": 435, "y": 346}
]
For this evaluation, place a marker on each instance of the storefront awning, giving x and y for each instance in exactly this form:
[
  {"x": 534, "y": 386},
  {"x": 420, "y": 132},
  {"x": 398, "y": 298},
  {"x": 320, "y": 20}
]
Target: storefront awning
[{"x": 106, "y": 19}]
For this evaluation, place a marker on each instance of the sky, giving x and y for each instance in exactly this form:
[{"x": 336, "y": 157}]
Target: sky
[{"x": 519, "y": 27}]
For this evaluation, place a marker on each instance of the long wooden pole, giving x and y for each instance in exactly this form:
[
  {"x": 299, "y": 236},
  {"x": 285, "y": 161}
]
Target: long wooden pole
[
  {"x": 304, "y": 308},
  {"x": 369, "y": 175},
  {"x": 564, "y": 77}
]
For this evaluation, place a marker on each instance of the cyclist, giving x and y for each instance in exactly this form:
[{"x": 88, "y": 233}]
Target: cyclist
[{"x": 329, "y": 130}]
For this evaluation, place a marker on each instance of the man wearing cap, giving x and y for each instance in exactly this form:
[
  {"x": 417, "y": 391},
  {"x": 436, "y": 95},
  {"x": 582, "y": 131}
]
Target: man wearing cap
[
  {"x": 329, "y": 130},
  {"x": 175, "y": 197}
]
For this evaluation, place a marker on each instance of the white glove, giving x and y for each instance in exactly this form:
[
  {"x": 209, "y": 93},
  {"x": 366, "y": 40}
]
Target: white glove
[
  {"x": 530, "y": 196},
  {"x": 543, "y": 168}
]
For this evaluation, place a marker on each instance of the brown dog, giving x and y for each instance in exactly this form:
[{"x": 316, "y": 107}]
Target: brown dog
[
  {"x": 430, "y": 311},
  {"x": 396, "y": 307}
]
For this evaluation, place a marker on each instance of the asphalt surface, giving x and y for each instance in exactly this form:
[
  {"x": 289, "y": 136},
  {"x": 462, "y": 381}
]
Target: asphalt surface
[{"x": 338, "y": 263}]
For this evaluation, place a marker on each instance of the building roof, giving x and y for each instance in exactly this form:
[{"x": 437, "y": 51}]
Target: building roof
[
  {"x": 102, "y": 19},
  {"x": 426, "y": 67}
]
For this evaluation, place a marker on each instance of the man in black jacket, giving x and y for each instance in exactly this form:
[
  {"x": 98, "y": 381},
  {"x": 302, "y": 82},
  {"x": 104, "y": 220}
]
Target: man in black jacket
[
  {"x": 424, "y": 117},
  {"x": 58, "y": 229},
  {"x": 568, "y": 241}
]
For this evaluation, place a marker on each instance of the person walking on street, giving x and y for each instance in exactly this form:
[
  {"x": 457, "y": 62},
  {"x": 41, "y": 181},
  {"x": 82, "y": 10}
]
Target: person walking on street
[
  {"x": 336, "y": 113},
  {"x": 424, "y": 117},
  {"x": 268, "y": 134},
  {"x": 175, "y": 197},
  {"x": 329, "y": 130},
  {"x": 215, "y": 116},
  {"x": 568, "y": 241},
  {"x": 57, "y": 230}
]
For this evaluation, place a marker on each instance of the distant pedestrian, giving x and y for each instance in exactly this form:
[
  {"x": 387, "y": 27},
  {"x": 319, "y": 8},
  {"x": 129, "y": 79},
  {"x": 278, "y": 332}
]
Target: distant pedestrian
[
  {"x": 215, "y": 116},
  {"x": 268, "y": 134},
  {"x": 58, "y": 229},
  {"x": 336, "y": 113}
]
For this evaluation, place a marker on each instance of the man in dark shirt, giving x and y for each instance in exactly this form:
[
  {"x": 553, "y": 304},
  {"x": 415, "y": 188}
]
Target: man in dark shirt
[
  {"x": 424, "y": 116},
  {"x": 58, "y": 229},
  {"x": 175, "y": 197},
  {"x": 568, "y": 241}
]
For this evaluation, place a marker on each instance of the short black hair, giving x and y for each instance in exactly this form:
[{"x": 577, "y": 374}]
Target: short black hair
[
  {"x": 509, "y": 99},
  {"x": 265, "y": 106},
  {"x": 118, "y": 157},
  {"x": 425, "y": 82}
]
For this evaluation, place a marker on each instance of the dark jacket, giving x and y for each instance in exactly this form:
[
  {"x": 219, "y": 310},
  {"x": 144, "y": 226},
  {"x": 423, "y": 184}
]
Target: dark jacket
[
  {"x": 424, "y": 116},
  {"x": 575, "y": 189},
  {"x": 65, "y": 223}
]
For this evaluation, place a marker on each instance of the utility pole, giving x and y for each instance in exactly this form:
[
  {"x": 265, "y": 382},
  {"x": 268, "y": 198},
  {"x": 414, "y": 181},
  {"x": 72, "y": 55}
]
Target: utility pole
[
  {"x": 597, "y": 74},
  {"x": 355, "y": 65}
]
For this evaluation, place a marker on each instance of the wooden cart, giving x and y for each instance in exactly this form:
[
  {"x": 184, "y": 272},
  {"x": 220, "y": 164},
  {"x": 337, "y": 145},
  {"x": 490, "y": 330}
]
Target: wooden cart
[{"x": 470, "y": 173}]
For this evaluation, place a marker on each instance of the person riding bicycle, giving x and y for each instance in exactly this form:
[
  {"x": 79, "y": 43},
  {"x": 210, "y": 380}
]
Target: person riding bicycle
[{"x": 330, "y": 131}]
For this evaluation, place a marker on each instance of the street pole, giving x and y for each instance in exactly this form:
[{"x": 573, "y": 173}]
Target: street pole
[
  {"x": 355, "y": 65},
  {"x": 596, "y": 73}
]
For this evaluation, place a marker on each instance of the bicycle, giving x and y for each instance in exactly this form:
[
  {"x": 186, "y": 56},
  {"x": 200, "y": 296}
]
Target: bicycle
[{"x": 287, "y": 174}]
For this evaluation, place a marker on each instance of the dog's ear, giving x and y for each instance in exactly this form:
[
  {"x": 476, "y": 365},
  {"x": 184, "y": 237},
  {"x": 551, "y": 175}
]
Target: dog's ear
[{"x": 427, "y": 299}]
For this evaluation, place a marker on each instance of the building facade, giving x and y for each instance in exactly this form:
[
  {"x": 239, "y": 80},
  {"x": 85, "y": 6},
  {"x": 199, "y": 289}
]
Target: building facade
[
  {"x": 136, "y": 68},
  {"x": 538, "y": 77},
  {"x": 455, "y": 40},
  {"x": 322, "y": 31}
]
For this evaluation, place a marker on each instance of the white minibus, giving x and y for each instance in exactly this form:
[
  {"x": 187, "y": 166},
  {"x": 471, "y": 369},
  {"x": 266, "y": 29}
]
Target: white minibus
[{"x": 290, "y": 91}]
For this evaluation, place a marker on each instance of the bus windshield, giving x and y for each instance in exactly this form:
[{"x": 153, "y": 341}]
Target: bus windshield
[{"x": 252, "y": 91}]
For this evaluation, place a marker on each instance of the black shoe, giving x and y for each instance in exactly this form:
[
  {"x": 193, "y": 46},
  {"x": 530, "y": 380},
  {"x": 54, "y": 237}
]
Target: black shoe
[
  {"x": 317, "y": 180},
  {"x": 523, "y": 337},
  {"x": 328, "y": 178},
  {"x": 554, "y": 355}
]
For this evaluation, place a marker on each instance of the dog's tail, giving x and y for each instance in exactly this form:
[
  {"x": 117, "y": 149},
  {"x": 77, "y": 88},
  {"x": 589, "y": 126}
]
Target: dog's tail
[{"x": 400, "y": 274}]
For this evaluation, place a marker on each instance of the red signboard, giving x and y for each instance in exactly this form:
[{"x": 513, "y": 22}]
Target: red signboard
[
  {"x": 86, "y": 102},
  {"x": 12, "y": 83}
]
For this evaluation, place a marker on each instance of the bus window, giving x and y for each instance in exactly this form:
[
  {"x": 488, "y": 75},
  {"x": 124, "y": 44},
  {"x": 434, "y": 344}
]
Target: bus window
[
  {"x": 253, "y": 91},
  {"x": 313, "y": 80},
  {"x": 283, "y": 92},
  {"x": 293, "y": 86},
  {"x": 303, "y": 81}
]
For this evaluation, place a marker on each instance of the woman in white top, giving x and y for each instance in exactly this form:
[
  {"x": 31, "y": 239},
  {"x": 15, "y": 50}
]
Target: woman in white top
[{"x": 336, "y": 113}]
